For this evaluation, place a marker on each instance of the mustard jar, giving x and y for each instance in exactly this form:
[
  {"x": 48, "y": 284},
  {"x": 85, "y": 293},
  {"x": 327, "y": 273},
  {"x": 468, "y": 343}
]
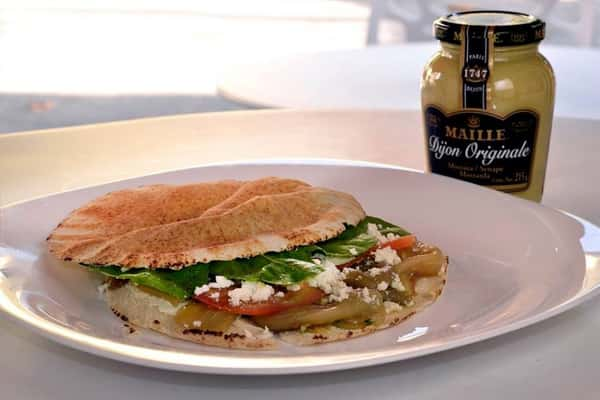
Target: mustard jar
[{"x": 487, "y": 97}]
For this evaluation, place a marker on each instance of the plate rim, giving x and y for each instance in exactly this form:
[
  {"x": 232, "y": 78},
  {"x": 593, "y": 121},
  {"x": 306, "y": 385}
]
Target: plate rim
[{"x": 272, "y": 365}]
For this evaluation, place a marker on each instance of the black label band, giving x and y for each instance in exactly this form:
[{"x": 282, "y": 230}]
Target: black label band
[
  {"x": 475, "y": 71},
  {"x": 482, "y": 148}
]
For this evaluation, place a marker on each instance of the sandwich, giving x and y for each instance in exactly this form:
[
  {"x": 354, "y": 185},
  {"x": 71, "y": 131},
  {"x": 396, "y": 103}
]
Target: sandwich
[{"x": 248, "y": 264}]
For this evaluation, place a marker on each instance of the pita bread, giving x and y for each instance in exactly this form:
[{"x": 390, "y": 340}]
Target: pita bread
[
  {"x": 144, "y": 310},
  {"x": 166, "y": 226}
]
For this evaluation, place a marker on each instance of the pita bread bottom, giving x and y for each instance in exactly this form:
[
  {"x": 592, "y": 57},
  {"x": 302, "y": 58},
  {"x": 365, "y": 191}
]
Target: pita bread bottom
[
  {"x": 145, "y": 310},
  {"x": 141, "y": 309}
]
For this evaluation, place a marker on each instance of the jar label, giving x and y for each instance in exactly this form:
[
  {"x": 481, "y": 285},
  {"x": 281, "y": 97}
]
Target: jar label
[
  {"x": 476, "y": 65},
  {"x": 482, "y": 148}
]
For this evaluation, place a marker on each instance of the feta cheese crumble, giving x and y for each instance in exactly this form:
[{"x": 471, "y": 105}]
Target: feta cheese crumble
[
  {"x": 387, "y": 256},
  {"x": 293, "y": 288},
  {"x": 353, "y": 251},
  {"x": 381, "y": 286},
  {"x": 376, "y": 271},
  {"x": 250, "y": 292},
  {"x": 220, "y": 283},
  {"x": 331, "y": 281},
  {"x": 397, "y": 283},
  {"x": 373, "y": 231},
  {"x": 366, "y": 295},
  {"x": 391, "y": 236}
]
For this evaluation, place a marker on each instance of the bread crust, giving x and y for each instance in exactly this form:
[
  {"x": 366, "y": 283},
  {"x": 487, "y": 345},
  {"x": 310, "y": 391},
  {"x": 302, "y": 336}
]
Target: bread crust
[{"x": 166, "y": 226}]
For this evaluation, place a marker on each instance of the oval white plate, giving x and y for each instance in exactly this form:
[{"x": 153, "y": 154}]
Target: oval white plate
[{"x": 512, "y": 263}]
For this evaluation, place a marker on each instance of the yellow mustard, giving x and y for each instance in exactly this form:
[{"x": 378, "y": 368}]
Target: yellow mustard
[{"x": 488, "y": 97}]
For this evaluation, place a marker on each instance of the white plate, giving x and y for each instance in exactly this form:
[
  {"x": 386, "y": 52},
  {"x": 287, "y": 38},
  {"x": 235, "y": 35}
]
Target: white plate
[{"x": 512, "y": 263}]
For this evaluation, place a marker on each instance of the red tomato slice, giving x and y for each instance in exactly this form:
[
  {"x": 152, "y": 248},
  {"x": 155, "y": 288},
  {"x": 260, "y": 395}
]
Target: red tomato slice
[
  {"x": 396, "y": 244},
  {"x": 400, "y": 243},
  {"x": 306, "y": 295}
]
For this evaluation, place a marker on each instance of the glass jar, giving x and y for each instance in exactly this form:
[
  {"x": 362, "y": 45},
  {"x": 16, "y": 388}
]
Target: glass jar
[{"x": 488, "y": 97}]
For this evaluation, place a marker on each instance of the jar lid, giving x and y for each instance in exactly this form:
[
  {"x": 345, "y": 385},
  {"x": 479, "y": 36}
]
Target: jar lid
[{"x": 510, "y": 28}]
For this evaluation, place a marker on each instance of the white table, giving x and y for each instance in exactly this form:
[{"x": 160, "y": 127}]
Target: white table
[
  {"x": 387, "y": 77},
  {"x": 556, "y": 359}
]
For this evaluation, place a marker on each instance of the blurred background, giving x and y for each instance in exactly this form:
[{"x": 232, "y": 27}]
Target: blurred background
[{"x": 70, "y": 62}]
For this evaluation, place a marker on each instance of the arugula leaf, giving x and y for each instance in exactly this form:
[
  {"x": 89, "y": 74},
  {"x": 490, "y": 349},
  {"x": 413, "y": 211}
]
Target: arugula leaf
[
  {"x": 284, "y": 268},
  {"x": 288, "y": 271},
  {"x": 383, "y": 226},
  {"x": 355, "y": 240},
  {"x": 245, "y": 269},
  {"x": 179, "y": 284}
]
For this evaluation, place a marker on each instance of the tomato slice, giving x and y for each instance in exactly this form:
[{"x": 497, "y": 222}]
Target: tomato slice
[
  {"x": 401, "y": 243},
  {"x": 396, "y": 244},
  {"x": 219, "y": 298}
]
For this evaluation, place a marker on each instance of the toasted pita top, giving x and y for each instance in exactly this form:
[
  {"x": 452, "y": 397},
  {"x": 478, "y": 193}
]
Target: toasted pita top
[{"x": 166, "y": 226}]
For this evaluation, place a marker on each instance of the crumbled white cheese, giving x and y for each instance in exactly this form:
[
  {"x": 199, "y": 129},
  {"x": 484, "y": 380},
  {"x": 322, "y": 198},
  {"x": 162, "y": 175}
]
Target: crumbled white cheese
[
  {"x": 201, "y": 289},
  {"x": 391, "y": 307},
  {"x": 397, "y": 283},
  {"x": 373, "y": 231},
  {"x": 377, "y": 271},
  {"x": 331, "y": 281},
  {"x": 365, "y": 294},
  {"x": 353, "y": 251},
  {"x": 220, "y": 283},
  {"x": 387, "y": 256},
  {"x": 215, "y": 295},
  {"x": 381, "y": 286},
  {"x": 197, "y": 324},
  {"x": 250, "y": 292},
  {"x": 279, "y": 294},
  {"x": 293, "y": 288},
  {"x": 317, "y": 261},
  {"x": 391, "y": 236}
]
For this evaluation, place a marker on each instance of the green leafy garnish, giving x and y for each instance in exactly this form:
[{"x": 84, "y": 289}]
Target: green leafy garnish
[
  {"x": 179, "y": 284},
  {"x": 285, "y": 268},
  {"x": 355, "y": 240},
  {"x": 282, "y": 268}
]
